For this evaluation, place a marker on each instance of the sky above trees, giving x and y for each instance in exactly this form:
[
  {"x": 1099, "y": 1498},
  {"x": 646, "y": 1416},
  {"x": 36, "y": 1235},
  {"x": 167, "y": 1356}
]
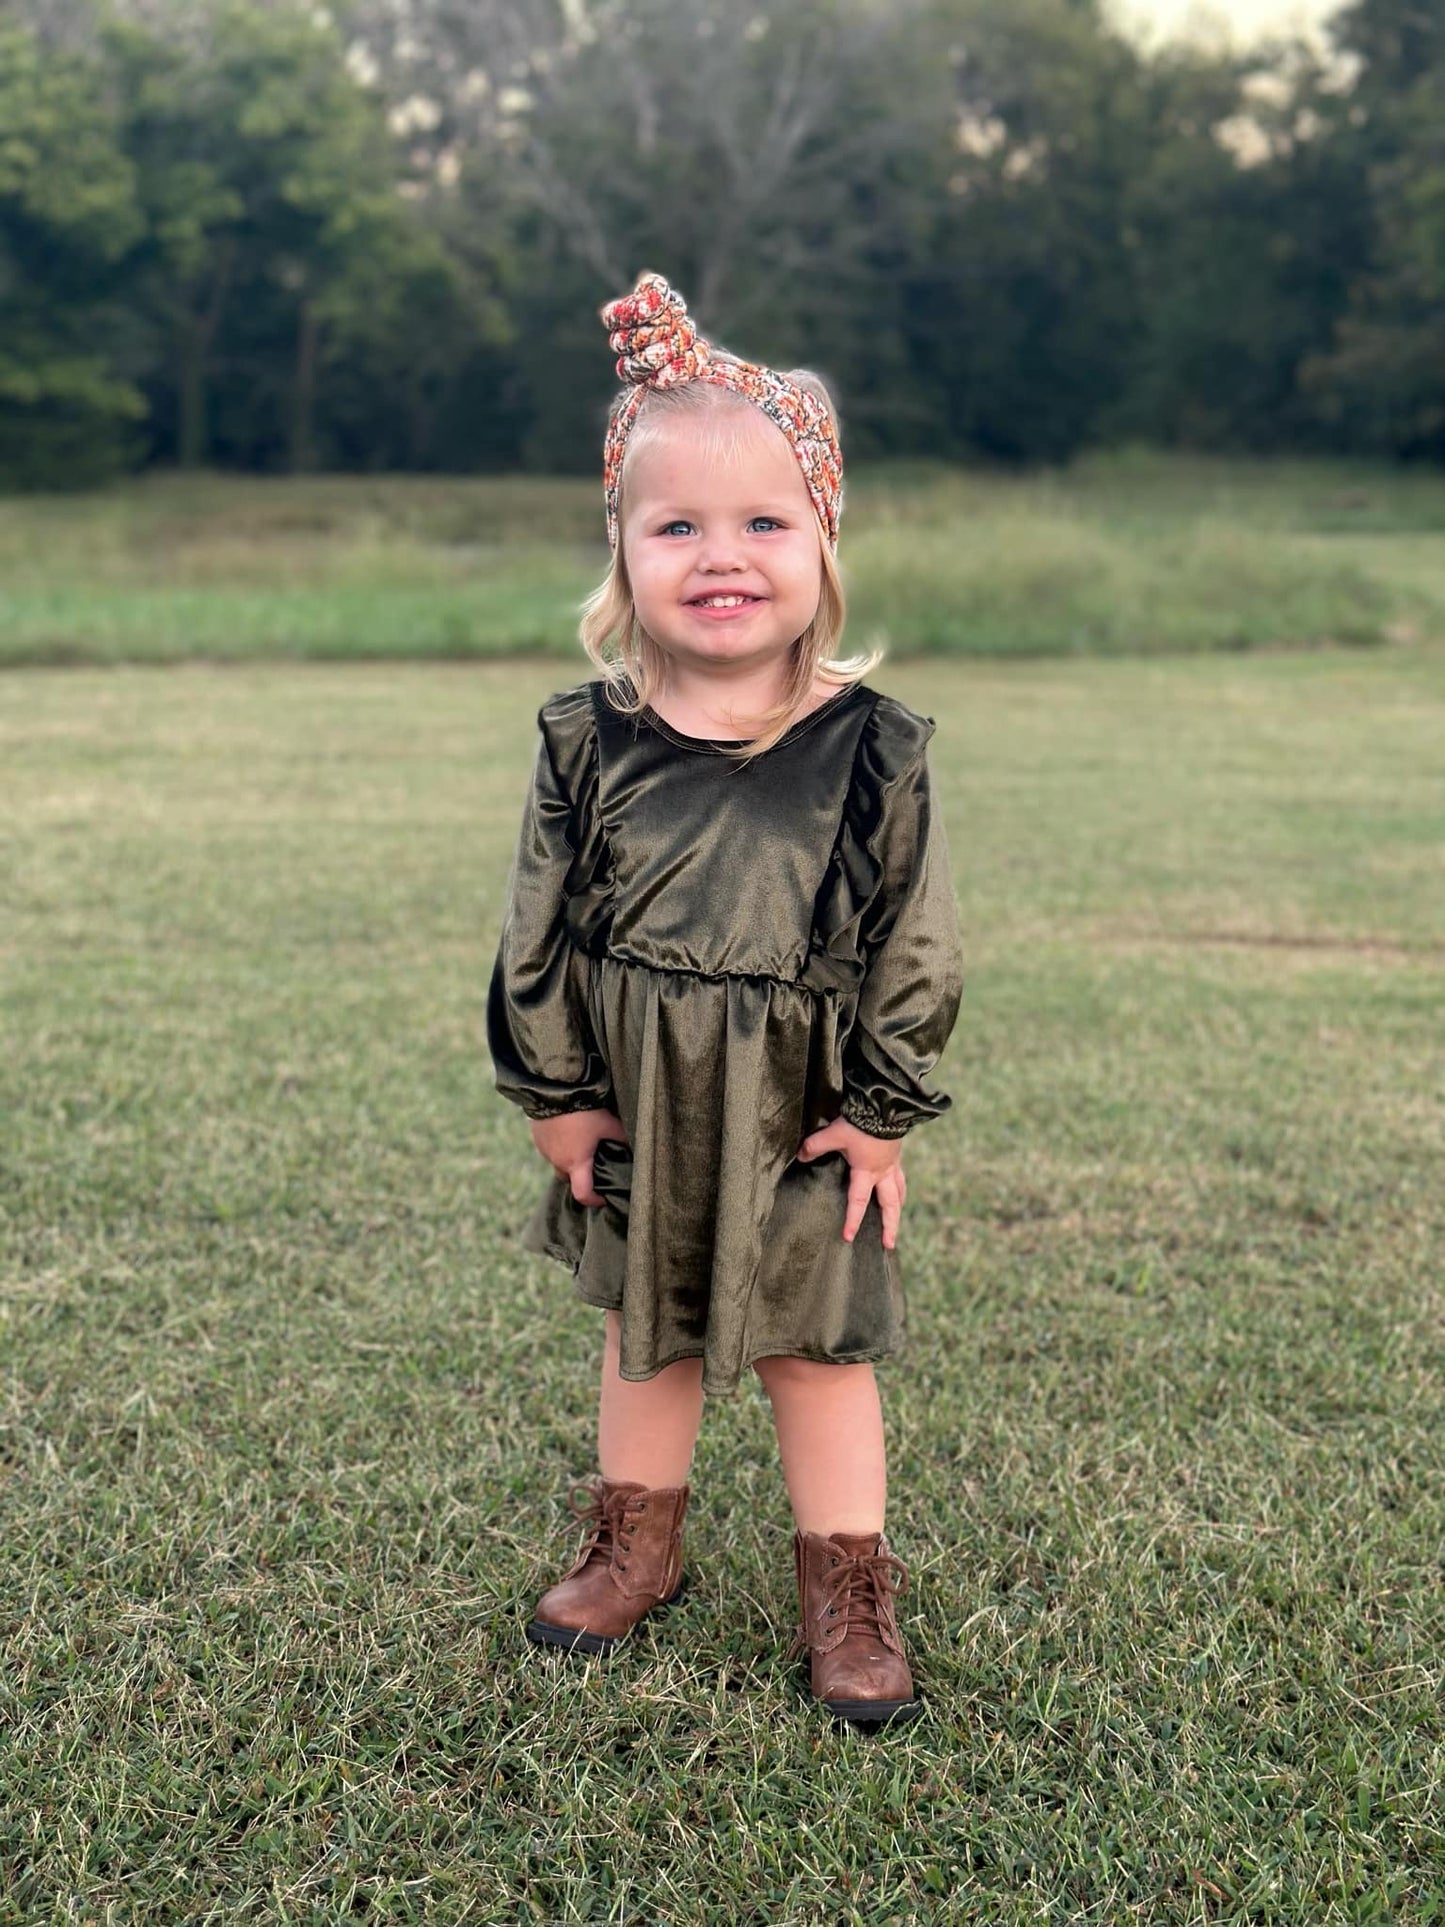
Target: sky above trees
[{"x": 1245, "y": 19}]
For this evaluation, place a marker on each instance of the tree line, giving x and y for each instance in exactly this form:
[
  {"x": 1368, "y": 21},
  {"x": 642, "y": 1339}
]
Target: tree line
[{"x": 271, "y": 236}]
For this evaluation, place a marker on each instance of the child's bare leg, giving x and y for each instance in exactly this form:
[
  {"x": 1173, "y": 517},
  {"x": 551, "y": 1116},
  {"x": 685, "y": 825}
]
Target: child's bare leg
[
  {"x": 646, "y": 1428},
  {"x": 830, "y": 1436}
]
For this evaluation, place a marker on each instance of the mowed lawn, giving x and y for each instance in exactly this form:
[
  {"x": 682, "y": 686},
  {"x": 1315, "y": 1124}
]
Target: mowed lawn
[{"x": 289, "y": 1421}]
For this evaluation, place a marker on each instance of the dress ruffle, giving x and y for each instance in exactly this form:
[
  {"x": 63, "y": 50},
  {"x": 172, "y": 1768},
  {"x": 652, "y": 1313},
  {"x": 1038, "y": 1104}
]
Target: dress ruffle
[
  {"x": 566, "y": 721},
  {"x": 891, "y": 741}
]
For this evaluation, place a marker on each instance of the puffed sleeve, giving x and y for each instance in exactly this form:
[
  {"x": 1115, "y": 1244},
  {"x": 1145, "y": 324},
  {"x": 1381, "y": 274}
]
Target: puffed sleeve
[
  {"x": 913, "y": 982},
  {"x": 544, "y": 1052}
]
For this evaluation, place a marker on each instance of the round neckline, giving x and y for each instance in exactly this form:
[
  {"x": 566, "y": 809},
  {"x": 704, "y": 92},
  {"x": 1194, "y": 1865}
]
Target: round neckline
[{"x": 719, "y": 745}]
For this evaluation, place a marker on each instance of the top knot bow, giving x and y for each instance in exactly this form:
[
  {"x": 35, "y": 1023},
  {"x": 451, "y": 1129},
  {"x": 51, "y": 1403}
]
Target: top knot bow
[
  {"x": 658, "y": 346},
  {"x": 653, "y": 336}
]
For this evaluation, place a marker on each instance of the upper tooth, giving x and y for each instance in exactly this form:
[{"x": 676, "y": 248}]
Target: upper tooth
[{"x": 721, "y": 601}]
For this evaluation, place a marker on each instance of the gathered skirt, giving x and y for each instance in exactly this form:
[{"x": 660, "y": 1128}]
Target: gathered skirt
[{"x": 714, "y": 1240}]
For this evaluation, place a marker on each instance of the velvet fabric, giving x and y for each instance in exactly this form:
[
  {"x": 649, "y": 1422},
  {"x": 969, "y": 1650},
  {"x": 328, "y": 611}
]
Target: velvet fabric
[{"x": 728, "y": 956}]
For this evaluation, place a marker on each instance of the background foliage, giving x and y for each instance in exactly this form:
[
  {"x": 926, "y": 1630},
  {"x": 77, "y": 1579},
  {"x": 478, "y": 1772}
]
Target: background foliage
[{"x": 266, "y": 236}]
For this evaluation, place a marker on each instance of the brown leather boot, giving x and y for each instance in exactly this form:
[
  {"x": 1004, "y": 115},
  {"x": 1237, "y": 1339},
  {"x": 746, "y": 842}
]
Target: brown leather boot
[
  {"x": 846, "y": 1585},
  {"x": 630, "y": 1565}
]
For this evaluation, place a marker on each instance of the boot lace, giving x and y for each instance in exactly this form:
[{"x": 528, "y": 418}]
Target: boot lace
[
  {"x": 861, "y": 1589},
  {"x": 609, "y": 1520}
]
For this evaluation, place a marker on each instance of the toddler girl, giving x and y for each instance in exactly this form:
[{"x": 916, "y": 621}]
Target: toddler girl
[{"x": 730, "y": 959}]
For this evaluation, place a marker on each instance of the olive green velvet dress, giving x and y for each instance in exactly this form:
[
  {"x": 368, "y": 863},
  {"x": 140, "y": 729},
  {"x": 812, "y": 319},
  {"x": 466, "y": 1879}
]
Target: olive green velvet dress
[{"x": 728, "y": 956}]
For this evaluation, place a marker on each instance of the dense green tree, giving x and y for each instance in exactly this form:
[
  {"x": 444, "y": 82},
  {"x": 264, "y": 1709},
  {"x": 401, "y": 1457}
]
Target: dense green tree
[
  {"x": 416, "y": 339},
  {"x": 1382, "y": 384},
  {"x": 1021, "y": 312},
  {"x": 68, "y": 216},
  {"x": 1248, "y": 226},
  {"x": 266, "y": 176},
  {"x": 1396, "y": 42}
]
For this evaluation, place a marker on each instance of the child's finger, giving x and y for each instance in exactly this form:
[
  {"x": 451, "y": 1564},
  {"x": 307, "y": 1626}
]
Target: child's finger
[
  {"x": 890, "y": 1203},
  {"x": 860, "y": 1190},
  {"x": 581, "y": 1180},
  {"x": 817, "y": 1142}
]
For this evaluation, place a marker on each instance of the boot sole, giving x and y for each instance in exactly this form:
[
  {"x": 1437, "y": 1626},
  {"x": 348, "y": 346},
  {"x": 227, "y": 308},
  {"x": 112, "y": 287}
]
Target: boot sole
[
  {"x": 874, "y": 1712},
  {"x": 572, "y": 1640}
]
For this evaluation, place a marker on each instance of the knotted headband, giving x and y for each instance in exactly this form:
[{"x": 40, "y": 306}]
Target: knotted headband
[{"x": 658, "y": 346}]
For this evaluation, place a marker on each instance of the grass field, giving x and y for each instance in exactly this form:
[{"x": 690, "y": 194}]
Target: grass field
[
  {"x": 1126, "y": 553},
  {"x": 287, "y": 1420}
]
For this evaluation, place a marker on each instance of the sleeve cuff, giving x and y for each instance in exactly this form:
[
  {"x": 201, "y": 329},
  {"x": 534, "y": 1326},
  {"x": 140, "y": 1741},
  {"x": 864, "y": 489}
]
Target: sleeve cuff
[
  {"x": 540, "y": 1109},
  {"x": 856, "y": 1112}
]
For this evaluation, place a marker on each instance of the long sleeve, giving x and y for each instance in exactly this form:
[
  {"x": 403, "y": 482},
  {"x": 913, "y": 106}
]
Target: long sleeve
[
  {"x": 544, "y": 1051},
  {"x": 913, "y": 983}
]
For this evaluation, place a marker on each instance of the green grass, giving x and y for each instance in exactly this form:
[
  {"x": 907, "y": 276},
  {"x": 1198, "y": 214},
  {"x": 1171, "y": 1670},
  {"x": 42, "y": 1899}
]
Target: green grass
[
  {"x": 1127, "y": 553},
  {"x": 287, "y": 1420}
]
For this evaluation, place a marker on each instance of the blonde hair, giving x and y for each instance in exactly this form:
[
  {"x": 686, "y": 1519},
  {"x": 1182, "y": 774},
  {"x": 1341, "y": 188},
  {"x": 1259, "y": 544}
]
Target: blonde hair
[{"x": 633, "y": 666}]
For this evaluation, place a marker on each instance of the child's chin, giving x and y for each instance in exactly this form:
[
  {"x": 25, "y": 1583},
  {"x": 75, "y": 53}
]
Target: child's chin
[{"x": 714, "y": 639}]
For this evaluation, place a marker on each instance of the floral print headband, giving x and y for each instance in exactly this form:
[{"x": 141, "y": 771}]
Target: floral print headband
[{"x": 659, "y": 347}]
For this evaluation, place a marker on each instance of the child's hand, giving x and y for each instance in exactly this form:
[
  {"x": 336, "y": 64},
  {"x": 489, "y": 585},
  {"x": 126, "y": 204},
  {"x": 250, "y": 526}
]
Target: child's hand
[
  {"x": 874, "y": 1164},
  {"x": 568, "y": 1143}
]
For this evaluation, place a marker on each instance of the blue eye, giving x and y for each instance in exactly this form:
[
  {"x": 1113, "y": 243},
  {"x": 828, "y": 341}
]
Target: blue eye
[{"x": 686, "y": 528}]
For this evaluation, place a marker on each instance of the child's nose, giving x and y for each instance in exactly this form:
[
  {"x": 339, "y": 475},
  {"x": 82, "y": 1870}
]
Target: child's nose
[{"x": 721, "y": 549}]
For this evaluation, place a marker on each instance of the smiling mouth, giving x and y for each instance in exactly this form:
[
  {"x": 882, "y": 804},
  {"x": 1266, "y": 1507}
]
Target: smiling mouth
[{"x": 721, "y": 601}]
